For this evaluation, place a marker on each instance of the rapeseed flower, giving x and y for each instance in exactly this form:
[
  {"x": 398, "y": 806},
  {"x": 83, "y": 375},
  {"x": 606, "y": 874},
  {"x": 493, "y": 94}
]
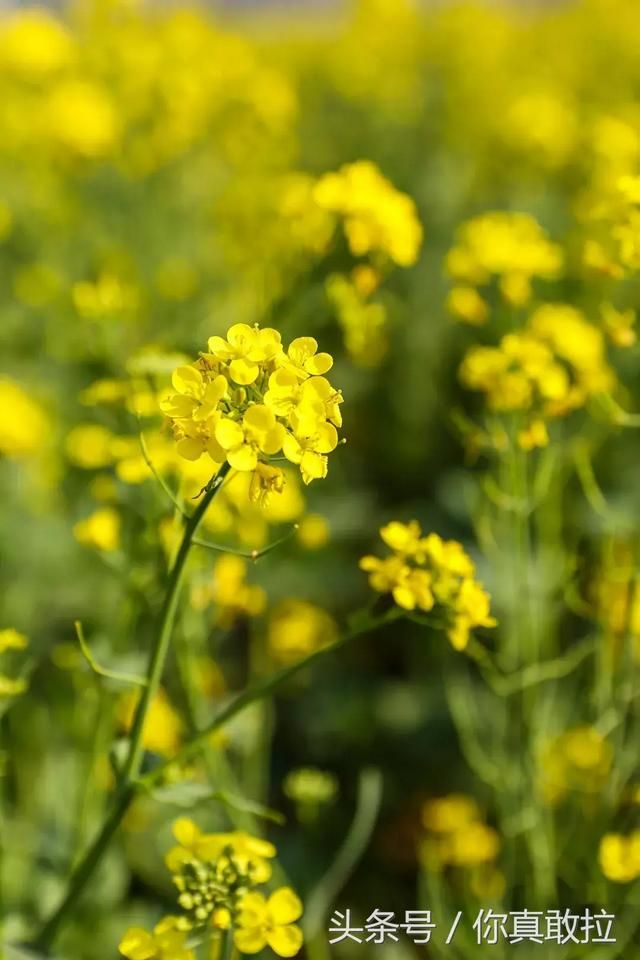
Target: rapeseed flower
[
  {"x": 246, "y": 399},
  {"x": 427, "y": 572},
  {"x": 269, "y": 922}
]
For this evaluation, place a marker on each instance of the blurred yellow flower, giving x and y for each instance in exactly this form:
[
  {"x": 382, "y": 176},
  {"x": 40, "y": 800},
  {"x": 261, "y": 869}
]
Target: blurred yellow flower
[
  {"x": 101, "y": 530},
  {"x": 297, "y": 628},
  {"x": 162, "y": 731},
  {"x": 27, "y": 429},
  {"x": 167, "y": 942},
  {"x": 619, "y": 857}
]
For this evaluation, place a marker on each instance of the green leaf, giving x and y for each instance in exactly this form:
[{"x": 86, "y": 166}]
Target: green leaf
[{"x": 188, "y": 794}]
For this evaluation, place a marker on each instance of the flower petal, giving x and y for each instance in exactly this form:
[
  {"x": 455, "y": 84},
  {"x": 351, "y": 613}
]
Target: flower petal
[
  {"x": 285, "y": 906},
  {"x": 229, "y": 433},
  {"x": 243, "y": 457},
  {"x": 285, "y": 941},
  {"x": 137, "y": 944}
]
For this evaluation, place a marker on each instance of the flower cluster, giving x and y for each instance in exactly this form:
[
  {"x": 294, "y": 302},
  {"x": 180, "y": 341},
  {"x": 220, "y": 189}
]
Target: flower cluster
[
  {"x": 576, "y": 761},
  {"x": 510, "y": 247},
  {"x": 548, "y": 369},
  {"x": 427, "y": 572},
  {"x": 216, "y": 875},
  {"x": 456, "y": 835},
  {"x": 377, "y": 217},
  {"x": 247, "y": 399}
]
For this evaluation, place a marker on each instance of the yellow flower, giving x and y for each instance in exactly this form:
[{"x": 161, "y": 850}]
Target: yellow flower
[
  {"x": 165, "y": 943},
  {"x": 259, "y": 432},
  {"x": 11, "y": 639},
  {"x": 446, "y": 814},
  {"x": 245, "y": 347},
  {"x": 619, "y": 856},
  {"x": 247, "y": 399},
  {"x": 162, "y": 726},
  {"x": 100, "y": 530},
  {"x": 229, "y": 591},
  {"x": 377, "y": 217},
  {"x": 466, "y": 304},
  {"x": 297, "y": 628},
  {"x": 34, "y": 44},
  {"x": 534, "y": 435},
  {"x": 25, "y": 430},
  {"x": 303, "y": 359},
  {"x": 313, "y": 531},
  {"x": 250, "y": 853},
  {"x": 309, "y": 452},
  {"x": 271, "y": 922},
  {"x": 82, "y": 118},
  {"x": 619, "y": 325},
  {"x": 90, "y": 446}
]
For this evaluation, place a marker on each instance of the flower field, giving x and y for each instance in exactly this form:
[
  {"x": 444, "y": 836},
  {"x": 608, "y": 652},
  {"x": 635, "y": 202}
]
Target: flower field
[{"x": 319, "y": 459}]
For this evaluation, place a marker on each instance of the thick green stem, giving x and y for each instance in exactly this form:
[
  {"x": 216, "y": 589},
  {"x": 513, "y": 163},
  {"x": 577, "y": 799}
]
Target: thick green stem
[{"x": 125, "y": 789}]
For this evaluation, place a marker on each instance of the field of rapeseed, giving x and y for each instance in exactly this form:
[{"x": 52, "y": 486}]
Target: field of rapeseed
[{"x": 320, "y": 525}]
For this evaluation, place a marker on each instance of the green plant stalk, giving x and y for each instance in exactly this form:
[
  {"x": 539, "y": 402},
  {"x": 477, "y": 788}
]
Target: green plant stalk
[
  {"x": 127, "y": 791},
  {"x": 124, "y": 791}
]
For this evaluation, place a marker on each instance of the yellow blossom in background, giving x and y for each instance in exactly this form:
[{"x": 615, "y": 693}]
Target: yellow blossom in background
[
  {"x": 25, "y": 428},
  {"x": 162, "y": 732},
  {"x": 427, "y": 572},
  {"x": 313, "y": 531},
  {"x": 377, "y": 217},
  {"x": 229, "y": 591},
  {"x": 90, "y": 446},
  {"x": 269, "y": 922},
  {"x": 166, "y": 942},
  {"x": 577, "y": 761},
  {"x": 11, "y": 639},
  {"x": 296, "y": 629},
  {"x": 82, "y": 118},
  {"x": 619, "y": 857},
  {"x": 34, "y": 44},
  {"x": 100, "y": 530},
  {"x": 456, "y": 834},
  {"x": 512, "y": 247},
  {"x": 466, "y": 304},
  {"x": 619, "y": 325}
]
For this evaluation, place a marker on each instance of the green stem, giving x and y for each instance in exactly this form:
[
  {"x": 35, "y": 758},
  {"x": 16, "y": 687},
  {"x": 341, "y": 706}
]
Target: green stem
[
  {"x": 125, "y": 789},
  {"x": 167, "y": 618}
]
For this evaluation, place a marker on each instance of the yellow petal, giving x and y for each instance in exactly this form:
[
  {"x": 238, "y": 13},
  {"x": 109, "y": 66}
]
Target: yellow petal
[
  {"x": 285, "y": 906},
  {"x": 285, "y": 941},
  {"x": 313, "y": 466},
  {"x": 186, "y": 379},
  {"x": 186, "y": 832},
  {"x": 229, "y": 434},
  {"x": 327, "y": 438},
  {"x": 251, "y": 940},
  {"x": 243, "y": 457},
  {"x": 137, "y": 944},
  {"x": 220, "y": 348},
  {"x": 291, "y": 448},
  {"x": 243, "y": 371},
  {"x": 253, "y": 910},
  {"x": 321, "y": 363},
  {"x": 259, "y": 418},
  {"x": 301, "y": 349},
  {"x": 271, "y": 441},
  {"x": 189, "y": 449}
]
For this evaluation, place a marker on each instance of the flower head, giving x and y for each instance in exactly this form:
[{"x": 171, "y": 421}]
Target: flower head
[
  {"x": 166, "y": 942},
  {"x": 247, "y": 399},
  {"x": 425, "y": 572},
  {"x": 269, "y": 922}
]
